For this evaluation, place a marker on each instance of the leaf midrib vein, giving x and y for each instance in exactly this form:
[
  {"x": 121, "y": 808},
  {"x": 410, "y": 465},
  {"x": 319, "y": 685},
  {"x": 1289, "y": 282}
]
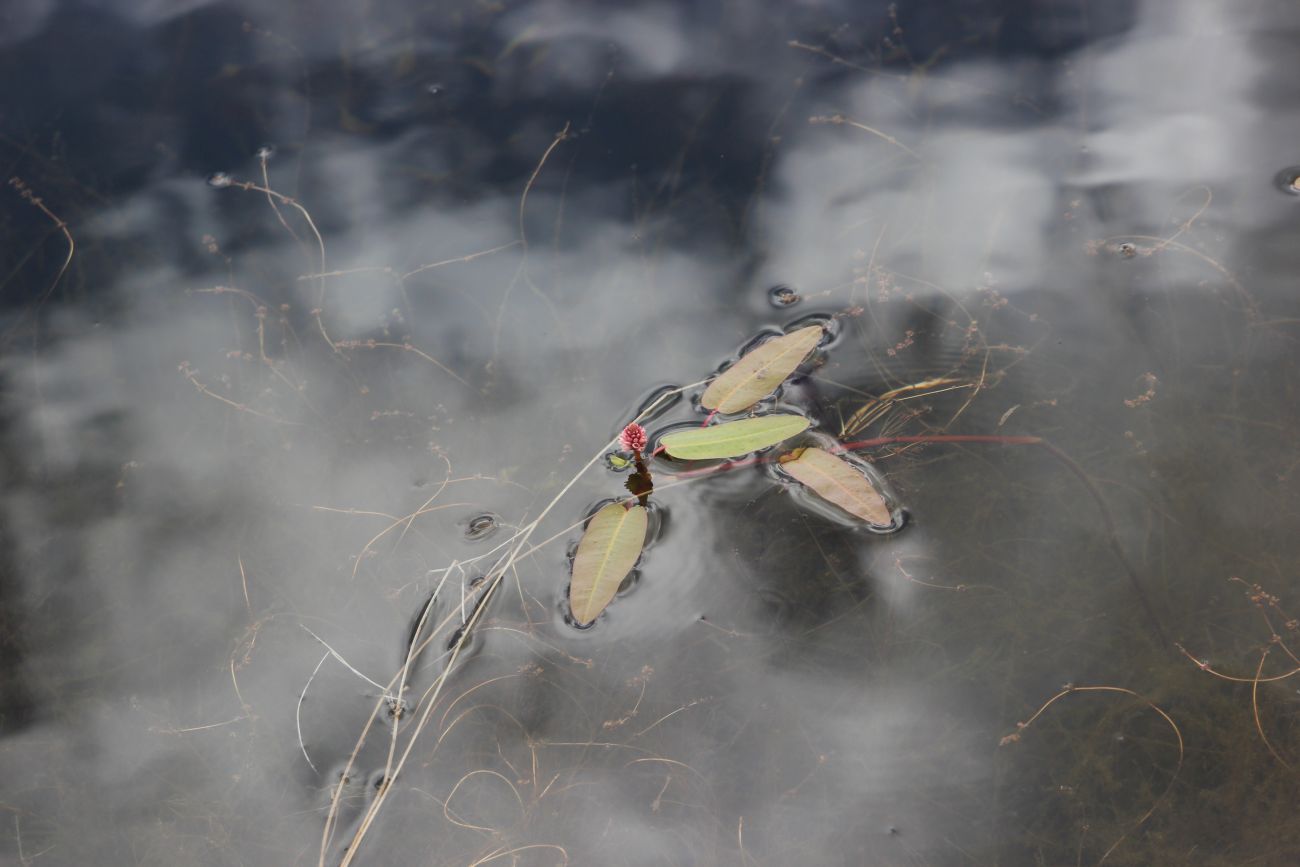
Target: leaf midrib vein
[
  {"x": 604, "y": 560},
  {"x": 755, "y": 375},
  {"x": 852, "y": 495}
]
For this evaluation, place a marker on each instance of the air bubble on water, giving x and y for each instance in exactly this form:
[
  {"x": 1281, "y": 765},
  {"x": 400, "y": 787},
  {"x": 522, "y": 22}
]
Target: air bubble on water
[
  {"x": 220, "y": 180},
  {"x": 480, "y": 527},
  {"x": 436, "y": 89},
  {"x": 782, "y": 295}
]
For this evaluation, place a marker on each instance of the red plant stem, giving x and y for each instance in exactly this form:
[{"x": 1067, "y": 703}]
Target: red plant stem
[{"x": 708, "y": 418}]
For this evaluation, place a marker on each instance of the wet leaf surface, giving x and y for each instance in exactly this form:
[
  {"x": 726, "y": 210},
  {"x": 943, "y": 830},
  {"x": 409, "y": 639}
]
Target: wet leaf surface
[
  {"x": 758, "y": 373},
  {"x": 838, "y": 481},
  {"x": 734, "y": 438},
  {"x": 607, "y": 552}
]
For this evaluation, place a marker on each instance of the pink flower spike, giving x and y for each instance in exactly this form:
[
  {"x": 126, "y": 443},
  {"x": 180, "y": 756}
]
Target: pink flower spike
[{"x": 633, "y": 438}]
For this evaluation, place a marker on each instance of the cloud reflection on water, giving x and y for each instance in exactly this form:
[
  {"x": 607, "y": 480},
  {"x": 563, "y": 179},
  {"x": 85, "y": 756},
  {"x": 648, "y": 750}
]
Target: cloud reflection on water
[{"x": 821, "y": 711}]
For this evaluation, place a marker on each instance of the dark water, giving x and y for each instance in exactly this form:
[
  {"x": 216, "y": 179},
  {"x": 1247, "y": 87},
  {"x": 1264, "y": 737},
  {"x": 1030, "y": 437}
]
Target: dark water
[{"x": 1066, "y": 220}]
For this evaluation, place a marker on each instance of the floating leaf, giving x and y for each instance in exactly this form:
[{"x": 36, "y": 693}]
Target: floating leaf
[
  {"x": 838, "y": 481},
  {"x": 758, "y": 373},
  {"x": 606, "y": 554},
  {"x": 733, "y": 438}
]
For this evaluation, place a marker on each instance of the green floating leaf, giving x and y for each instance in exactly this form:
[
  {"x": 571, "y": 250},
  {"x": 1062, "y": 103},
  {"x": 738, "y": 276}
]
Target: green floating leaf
[
  {"x": 607, "y": 552},
  {"x": 758, "y": 373},
  {"x": 734, "y": 438},
  {"x": 838, "y": 481}
]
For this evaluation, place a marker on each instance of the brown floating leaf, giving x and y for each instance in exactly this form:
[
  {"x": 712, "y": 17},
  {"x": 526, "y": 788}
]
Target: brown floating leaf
[
  {"x": 758, "y": 373},
  {"x": 607, "y": 552},
  {"x": 838, "y": 481}
]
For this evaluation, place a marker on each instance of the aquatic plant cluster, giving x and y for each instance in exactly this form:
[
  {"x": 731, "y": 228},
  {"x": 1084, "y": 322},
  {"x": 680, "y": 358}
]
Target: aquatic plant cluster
[{"x": 615, "y": 535}]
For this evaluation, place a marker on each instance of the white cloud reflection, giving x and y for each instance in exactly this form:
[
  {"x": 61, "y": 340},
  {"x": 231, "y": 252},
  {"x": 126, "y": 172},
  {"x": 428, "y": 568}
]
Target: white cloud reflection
[{"x": 196, "y": 482}]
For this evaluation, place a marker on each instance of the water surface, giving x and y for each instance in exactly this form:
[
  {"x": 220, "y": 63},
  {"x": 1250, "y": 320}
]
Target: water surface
[{"x": 246, "y": 434}]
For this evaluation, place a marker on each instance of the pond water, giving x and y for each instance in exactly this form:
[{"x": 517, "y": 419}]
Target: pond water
[{"x": 312, "y": 312}]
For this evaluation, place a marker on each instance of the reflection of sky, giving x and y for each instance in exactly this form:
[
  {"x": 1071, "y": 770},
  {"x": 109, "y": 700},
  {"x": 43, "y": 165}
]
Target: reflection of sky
[{"x": 140, "y": 498}]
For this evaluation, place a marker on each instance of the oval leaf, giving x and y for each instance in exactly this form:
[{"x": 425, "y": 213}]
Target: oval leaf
[
  {"x": 607, "y": 552},
  {"x": 758, "y": 373},
  {"x": 838, "y": 481},
  {"x": 734, "y": 438}
]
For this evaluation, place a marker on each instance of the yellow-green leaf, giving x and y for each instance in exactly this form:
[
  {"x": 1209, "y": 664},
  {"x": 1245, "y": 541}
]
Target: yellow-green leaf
[
  {"x": 758, "y": 373},
  {"x": 607, "y": 552},
  {"x": 838, "y": 481},
  {"x": 733, "y": 438}
]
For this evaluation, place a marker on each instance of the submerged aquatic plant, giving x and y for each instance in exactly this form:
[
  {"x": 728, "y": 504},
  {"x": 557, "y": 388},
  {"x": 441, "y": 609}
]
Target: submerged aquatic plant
[{"x": 758, "y": 373}]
